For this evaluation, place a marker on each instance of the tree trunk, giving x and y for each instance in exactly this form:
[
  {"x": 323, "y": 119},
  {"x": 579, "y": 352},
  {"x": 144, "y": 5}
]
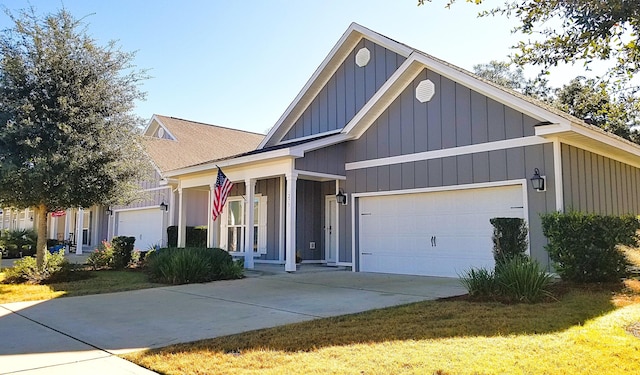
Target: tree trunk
[{"x": 41, "y": 244}]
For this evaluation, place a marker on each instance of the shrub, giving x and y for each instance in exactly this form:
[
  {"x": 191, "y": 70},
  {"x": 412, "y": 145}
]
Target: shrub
[
  {"x": 102, "y": 257},
  {"x": 509, "y": 238},
  {"x": 19, "y": 242},
  {"x": 25, "y": 269},
  {"x": 195, "y": 236},
  {"x": 479, "y": 282},
  {"x": 122, "y": 249},
  {"x": 584, "y": 247},
  {"x": 522, "y": 279},
  {"x": 518, "y": 279},
  {"x": 191, "y": 265}
]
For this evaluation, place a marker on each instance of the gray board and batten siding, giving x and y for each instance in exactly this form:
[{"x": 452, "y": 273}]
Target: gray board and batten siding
[
  {"x": 597, "y": 184},
  {"x": 346, "y": 92}
]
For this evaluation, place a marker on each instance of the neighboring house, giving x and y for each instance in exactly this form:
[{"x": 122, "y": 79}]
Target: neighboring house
[
  {"x": 171, "y": 143},
  {"x": 425, "y": 153}
]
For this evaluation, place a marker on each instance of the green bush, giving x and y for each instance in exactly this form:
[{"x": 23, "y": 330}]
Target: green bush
[
  {"x": 122, "y": 249},
  {"x": 509, "y": 238},
  {"x": 584, "y": 247},
  {"x": 479, "y": 282},
  {"x": 25, "y": 269},
  {"x": 102, "y": 257},
  {"x": 19, "y": 242},
  {"x": 522, "y": 279},
  {"x": 195, "y": 236},
  {"x": 191, "y": 265},
  {"x": 519, "y": 279}
]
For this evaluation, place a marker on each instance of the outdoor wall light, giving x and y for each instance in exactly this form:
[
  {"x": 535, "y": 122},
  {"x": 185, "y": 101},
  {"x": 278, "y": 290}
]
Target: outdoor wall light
[
  {"x": 341, "y": 197},
  {"x": 164, "y": 206},
  {"x": 537, "y": 181},
  {"x": 109, "y": 211}
]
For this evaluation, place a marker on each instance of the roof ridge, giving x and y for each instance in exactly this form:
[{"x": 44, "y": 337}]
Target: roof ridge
[{"x": 207, "y": 124}]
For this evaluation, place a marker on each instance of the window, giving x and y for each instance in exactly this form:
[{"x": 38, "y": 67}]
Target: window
[{"x": 232, "y": 231}]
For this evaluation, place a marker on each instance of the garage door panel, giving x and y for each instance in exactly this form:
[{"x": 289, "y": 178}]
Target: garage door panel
[
  {"x": 145, "y": 225},
  {"x": 396, "y": 231}
]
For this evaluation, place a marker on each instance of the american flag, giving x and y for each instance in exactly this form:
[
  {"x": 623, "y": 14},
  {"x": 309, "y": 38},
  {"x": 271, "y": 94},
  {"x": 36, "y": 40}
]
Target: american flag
[{"x": 223, "y": 185}]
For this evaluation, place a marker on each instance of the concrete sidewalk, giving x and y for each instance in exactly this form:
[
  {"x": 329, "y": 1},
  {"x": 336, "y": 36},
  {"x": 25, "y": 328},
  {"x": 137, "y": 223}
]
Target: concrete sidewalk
[{"x": 82, "y": 334}]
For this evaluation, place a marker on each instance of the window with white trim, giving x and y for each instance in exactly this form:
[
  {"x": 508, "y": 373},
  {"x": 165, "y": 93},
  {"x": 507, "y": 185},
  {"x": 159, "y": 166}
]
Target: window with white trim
[{"x": 232, "y": 228}]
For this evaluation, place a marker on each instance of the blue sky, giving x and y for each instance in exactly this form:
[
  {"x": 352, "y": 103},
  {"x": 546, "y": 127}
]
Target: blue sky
[{"x": 240, "y": 63}]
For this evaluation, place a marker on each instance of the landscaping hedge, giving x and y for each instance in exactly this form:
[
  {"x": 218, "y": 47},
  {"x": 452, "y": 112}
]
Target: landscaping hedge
[
  {"x": 196, "y": 236},
  {"x": 192, "y": 265},
  {"x": 584, "y": 247}
]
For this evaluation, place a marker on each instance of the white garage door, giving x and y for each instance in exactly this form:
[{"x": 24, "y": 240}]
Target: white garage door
[
  {"x": 435, "y": 234},
  {"x": 145, "y": 225}
]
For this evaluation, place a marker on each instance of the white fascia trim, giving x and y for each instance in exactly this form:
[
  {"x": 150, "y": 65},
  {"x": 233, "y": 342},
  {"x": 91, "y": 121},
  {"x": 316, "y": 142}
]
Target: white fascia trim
[
  {"x": 320, "y": 143},
  {"x": 353, "y": 35},
  {"x": 320, "y": 175},
  {"x": 157, "y": 188},
  {"x": 337, "y": 131},
  {"x": 491, "y": 91},
  {"x": 607, "y": 139},
  {"x": 389, "y": 91},
  {"x": 453, "y": 151},
  {"x": 285, "y": 152}
]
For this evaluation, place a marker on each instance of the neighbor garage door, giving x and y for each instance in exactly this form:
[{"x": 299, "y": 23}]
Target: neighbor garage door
[
  {"x": 145, "y": 225},
  {"x": 436, "y": 234}
]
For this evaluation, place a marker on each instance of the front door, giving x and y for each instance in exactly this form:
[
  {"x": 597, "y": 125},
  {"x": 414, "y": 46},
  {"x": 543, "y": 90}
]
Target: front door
[{"x": 331, "y": 230}]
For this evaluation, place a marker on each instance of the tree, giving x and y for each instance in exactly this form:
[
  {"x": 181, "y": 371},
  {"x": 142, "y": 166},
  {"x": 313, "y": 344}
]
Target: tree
[
  {"x": 576, "y": 31},
  {"x": 67, "y": 132},
  {"x": 587, "y": 99},
  {"x": 505, "y": 74}
]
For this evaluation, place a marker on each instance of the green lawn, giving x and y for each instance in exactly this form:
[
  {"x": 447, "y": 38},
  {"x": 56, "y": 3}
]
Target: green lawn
[
  {"x": 98, "y": 282},
  {"x": 583, "y": 332}
]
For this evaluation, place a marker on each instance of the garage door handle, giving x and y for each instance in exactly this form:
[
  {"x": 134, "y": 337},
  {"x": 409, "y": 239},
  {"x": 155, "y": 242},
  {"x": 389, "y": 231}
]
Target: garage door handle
[
  {"x": 367, "y": 253},
  {"x": 434, "y": 242}
]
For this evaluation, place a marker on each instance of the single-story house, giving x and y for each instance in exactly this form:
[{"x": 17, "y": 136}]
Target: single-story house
[
  {"x": 170, "y": 143},
  {"x": 391, "y": 160}
]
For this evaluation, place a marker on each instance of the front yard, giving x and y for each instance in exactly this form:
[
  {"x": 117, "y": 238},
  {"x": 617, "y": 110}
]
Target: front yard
[{"x": 586, "y": 331}]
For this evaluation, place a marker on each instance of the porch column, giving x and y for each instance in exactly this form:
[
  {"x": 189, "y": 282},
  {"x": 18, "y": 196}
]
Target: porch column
[
  {"x": 250, "y": 187},
  {"x": 79, "y": 225},
  {"x": 281, "y": 224},
  {"x": 290, "y": 264},
  {"x": 182, "y": 229},
  {"x": 211, "y": 225}
]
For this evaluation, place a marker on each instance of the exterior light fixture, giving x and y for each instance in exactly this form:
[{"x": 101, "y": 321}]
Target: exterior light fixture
[
  {"x": 164, "y": 206},
  {"x": 341, "y": 197},
  {"x": 109, "y": 211},
  {"x": 537, "y": 181}
]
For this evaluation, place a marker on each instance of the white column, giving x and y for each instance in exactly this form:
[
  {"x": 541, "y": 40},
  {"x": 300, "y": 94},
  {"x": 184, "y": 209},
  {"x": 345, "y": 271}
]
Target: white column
[
  {"x": 79, "y": 225},
  {"x": 182, "y": 222},
  {"x": 557, "y": 170},
  {"x": 110, "y": 225},
  {"x": 211, "y": 225},
  {"x": 250, "y": 187},
  {"x": 290, "y": 265},
  {"x": 281, "y": 224}
]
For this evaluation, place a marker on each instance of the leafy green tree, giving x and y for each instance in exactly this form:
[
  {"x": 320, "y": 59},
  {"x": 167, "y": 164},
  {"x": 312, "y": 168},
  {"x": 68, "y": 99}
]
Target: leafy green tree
[
  {"x": 67, "y": 131},
  {"x": 512, "y": 76},
  {"x": 575, "y": 31}
]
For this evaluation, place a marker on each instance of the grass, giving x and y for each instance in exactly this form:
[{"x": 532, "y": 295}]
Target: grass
[
  {"x": 98, "y": 282},
  {"x": 583, "y": 332}
]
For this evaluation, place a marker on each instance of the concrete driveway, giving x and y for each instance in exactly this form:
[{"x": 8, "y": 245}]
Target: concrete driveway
[{"x": 79, "y": 335}]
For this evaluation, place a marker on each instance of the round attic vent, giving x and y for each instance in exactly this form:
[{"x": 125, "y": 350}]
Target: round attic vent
[
  {"x": 425, "y": 91},
  {"x": 161, "y": 133},
  {"x": 362, "y": 57}
]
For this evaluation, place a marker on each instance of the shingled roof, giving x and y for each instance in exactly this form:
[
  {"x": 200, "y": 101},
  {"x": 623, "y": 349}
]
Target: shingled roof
[{"x": 196, "y": 142}]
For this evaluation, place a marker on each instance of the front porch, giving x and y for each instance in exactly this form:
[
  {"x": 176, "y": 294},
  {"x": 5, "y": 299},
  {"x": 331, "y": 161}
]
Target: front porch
[{"x": 294, "y": 213}]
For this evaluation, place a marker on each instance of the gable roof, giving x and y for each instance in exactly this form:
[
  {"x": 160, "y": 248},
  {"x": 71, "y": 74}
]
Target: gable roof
[
  {"x": 194, "y": 142},
  {"x": 562, "y": 125}
]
